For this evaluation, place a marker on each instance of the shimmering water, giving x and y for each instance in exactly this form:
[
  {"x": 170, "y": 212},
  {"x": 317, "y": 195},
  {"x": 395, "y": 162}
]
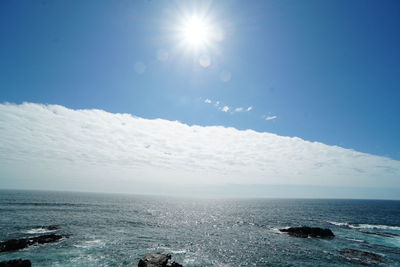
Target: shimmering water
[{"x": 117, "y": 230}]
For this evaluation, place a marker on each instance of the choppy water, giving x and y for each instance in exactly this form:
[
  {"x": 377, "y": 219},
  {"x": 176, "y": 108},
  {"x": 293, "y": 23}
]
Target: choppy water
[{"x": 117, "y": 230}]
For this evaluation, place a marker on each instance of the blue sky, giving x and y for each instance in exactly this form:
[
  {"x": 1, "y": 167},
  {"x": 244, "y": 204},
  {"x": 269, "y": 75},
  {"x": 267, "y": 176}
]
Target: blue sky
[{"x": 329, "y": 70}]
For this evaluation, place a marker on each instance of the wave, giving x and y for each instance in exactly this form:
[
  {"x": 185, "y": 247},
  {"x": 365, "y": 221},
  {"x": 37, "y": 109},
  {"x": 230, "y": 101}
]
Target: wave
[
  {"x": 47, "y": 204},
  {"x": 356, "y": 240},
  {"x": 365, "y": 226},
  {"x": 182, "y": 251},
  {"x": 338, "y": 223},
  {"x": 39, "y": 230},
  {"x": 90, "y": 244},
  {"x": 276, "y": 230}
]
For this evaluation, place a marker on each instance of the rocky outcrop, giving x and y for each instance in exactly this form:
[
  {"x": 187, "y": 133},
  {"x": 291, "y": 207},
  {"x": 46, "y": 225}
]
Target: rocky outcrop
[
  {"x": 157, "y": 260},
  {"x": 305, "y": 231},
  {"x": 16, "y": 263},
  {"x": 361, "y": 257},
  {"x": 17, "y": 244}
]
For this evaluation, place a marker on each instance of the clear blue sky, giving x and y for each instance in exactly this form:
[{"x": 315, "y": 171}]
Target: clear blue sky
[{"x": 328, "y": 70}]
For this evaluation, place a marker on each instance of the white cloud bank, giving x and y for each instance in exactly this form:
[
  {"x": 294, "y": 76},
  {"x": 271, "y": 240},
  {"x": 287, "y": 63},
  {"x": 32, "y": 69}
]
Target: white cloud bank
[{"x": 53, "y": 147}]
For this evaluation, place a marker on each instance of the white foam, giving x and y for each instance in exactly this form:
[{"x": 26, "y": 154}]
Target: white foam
[
  {"x": 376, "y": 226},
  {"x": 356, "y": 240},
  {"x": 38, "y": 231},
  {"x": 162, "y": 247},
  {"x": 182, "y": 251},
  {"x": 338, "y": 223},
  {"x": 366, "y": 226},
  {"x": 276, "y": 230},
  {"x": 90, "y": 244}
]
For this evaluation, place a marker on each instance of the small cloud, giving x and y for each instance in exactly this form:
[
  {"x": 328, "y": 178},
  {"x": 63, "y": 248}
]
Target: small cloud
[
  {"x": 268, "y": 118},
  {"x": 225, "y": 109},
  {"x": 242, "y": 109}
]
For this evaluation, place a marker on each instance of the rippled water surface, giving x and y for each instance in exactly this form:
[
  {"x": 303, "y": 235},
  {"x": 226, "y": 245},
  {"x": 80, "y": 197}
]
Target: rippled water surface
[{"x": 117, "y": 230}]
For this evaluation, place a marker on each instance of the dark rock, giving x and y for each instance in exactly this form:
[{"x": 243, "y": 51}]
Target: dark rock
[
  {"x": 173, "y": 264},
  {"x": 157, "y": 260},
  {"x": 361, "y": 257},
  {"x": 17, "y": 244},
  {"x": 52, "y": 227},
  {"x": 154, "y": 260},
  {"x": 16, "y": 263},
  {"x": 308, "y": 232}
]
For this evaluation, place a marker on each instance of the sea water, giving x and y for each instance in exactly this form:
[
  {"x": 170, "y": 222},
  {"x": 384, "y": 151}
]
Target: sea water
[{"x": 117, "y": 230}]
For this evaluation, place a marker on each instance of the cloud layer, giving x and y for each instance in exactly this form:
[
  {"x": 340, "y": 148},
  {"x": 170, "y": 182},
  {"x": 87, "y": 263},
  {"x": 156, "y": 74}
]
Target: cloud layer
[{"x": 64, "y": 148}]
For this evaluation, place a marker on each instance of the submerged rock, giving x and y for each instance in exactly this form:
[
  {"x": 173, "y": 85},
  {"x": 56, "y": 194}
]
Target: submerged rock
[
  {"x": 384, "y": 234},
  {"x": 361, "y": 257},
  {"x": 16, "y": 263},
  {"x": 305, "y": 231},
  {"x": 157, "y": 260},
  {"x": 52, "y": 227},
  {"x": 382, "y": 248},
  {"x": 174, "y": 264},
  {"x": 17, "y": 244}
]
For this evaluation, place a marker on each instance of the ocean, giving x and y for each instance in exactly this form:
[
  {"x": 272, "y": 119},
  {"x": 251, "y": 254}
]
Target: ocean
[{"x": 117, "y": 230}]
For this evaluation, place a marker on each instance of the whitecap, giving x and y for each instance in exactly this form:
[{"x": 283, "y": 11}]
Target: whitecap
[
  {"x": 90, "y": 244},
  {"x": 162, "y": 247},
  {"x": 375, "y": 226},
  {"x": 276, "y": 230},
  {"x": 356, "y": 240},
  {"x": 339, "y": 223},
  {"x": 39, "y": 230},
  {"x": 182, "y": 251},
  {"x": 365, "y": 226}
]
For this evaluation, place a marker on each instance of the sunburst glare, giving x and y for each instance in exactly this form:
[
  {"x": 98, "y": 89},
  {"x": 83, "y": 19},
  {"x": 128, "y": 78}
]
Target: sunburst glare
[{"x": 196, "y": 32}]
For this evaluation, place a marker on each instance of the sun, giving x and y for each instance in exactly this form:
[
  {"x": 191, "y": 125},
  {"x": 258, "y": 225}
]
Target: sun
[{"x": 196, "y": 32}]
